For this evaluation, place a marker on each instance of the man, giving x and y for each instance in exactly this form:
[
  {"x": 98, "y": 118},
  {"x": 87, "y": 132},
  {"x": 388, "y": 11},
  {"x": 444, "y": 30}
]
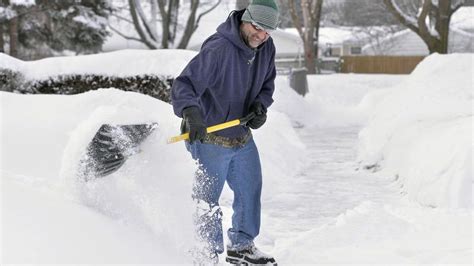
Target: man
[{"x": 232, "y": 77}]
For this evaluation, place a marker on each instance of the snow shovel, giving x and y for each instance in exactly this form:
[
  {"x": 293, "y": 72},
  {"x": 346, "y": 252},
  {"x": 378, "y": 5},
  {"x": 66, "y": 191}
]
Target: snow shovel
[{"x": 112, "y": 145}]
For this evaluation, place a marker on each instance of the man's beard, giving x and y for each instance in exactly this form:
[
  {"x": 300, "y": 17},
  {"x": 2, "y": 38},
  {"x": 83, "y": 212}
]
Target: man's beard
[{"x": 252, "y": 42}]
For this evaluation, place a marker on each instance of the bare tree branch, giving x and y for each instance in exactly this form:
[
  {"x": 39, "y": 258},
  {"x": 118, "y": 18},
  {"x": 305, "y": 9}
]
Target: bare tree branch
[
  {"x": 295, "y": 18},
  {"x": 395, "y": 10},
  {"x": 189, "y": 29},
  {"x": 425, "y": 10},
  {"x": 122, "y": 18},
  {"x": 205, "y": 13},
  {"x": 147, "y": 24},
  {"x": 456, "y": 5},
  {"x": 136, "y": 22},
  {"x": 432, "y": 22},
  {"x": 123, "y": 35},
  {"x": 168, "y": 11}
]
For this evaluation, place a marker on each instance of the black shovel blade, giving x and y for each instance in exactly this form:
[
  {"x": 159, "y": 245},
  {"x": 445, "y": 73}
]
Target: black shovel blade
[{"x": 111, "y": 146}]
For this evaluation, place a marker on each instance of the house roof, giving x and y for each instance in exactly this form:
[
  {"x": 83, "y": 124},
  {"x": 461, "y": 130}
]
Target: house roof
[{"x": 463, "y": 19}]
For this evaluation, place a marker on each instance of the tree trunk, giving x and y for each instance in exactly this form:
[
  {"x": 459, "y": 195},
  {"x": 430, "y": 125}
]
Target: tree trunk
[
  {"x": 309, "y": 30},
  {"x": 165, "y": 24},
  {"x": 2, "y": 41},
  {"x": 137, "y": 25},
  {"x": 308, "y": 36},
  {"x": 190, "y": 26},
  {"x": 442, "y": 25},
  {"x": 169, "y": 18},
  {"x": 317, "y": 23},
  {"x": 13, "y": 32},
  {"x": 174, "y": 21},
  {"x": 309, "y": 56},
  {"x": 193, "y": 22}
]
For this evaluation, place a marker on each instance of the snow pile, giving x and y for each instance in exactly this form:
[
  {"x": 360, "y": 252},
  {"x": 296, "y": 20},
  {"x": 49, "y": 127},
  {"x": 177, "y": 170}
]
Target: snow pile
[
  {"x": 167, "y": 62},
  {"x": 22, "y": 2},
  {"x": 380, "y": 234},
  {"x": 42, "y": 144},
  {"x": 421, "y": 132}
]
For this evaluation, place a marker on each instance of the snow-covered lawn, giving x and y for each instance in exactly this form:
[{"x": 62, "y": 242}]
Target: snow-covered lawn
[{"x": 320, "y": 204}]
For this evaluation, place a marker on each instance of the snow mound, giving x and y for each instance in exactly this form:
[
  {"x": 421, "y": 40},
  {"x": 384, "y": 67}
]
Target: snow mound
[
  {"x": 372, "y": 231},
  {"x": 46, "y": 138},
  {"x": 421, "y": 132},
  {"x": 119, "y": 63}
]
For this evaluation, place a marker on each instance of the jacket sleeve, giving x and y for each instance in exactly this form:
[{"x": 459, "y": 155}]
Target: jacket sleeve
[
  {"x": 265, "y": 95},
  {"x": 199, "y": 74}
]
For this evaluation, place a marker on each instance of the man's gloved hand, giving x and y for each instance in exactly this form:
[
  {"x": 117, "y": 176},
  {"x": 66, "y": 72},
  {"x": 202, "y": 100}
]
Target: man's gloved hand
[
  {"x": 194, "y": 124},
  {"x": 260, "y": 115}
]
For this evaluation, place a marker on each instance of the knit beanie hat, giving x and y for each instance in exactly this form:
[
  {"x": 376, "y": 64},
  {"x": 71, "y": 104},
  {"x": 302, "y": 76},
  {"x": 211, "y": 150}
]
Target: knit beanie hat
[{"x": 263, "y": 12}]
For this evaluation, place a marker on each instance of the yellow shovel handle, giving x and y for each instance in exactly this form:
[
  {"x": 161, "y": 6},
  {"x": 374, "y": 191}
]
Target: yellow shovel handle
[{"x": 210, "y": 129}]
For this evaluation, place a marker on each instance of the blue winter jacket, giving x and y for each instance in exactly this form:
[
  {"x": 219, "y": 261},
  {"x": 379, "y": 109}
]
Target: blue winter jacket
[{"x": 226, "y": 78}]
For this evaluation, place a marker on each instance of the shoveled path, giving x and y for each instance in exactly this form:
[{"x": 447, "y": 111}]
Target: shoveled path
[{"x": 330, "y": 184}]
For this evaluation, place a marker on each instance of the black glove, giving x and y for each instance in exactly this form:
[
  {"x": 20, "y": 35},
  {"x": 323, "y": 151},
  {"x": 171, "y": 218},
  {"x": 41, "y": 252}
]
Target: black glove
[
  {"x": 193, "y": 123},
  {"x": 260, "y": 115}
]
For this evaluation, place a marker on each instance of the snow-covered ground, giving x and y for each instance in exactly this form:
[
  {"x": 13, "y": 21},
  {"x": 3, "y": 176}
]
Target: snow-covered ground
[
  {"x": 320, "y": 204},
  {"x": 421, "y": 132}
]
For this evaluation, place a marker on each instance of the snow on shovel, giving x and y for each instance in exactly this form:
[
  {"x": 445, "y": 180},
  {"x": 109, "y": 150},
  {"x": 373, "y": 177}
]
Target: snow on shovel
[{"x": 112, "y": 145}]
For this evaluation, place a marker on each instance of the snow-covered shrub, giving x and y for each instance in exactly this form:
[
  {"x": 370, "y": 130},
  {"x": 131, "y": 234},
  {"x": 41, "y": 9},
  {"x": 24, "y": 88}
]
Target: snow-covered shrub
[
  {"x": 152, "y": 85},
  {"x": 10, "y": 80},
  {"x": 149, "y": 72}
]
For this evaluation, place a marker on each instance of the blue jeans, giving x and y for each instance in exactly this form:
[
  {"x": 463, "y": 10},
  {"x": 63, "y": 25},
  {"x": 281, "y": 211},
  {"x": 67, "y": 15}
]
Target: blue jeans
[{"x": 240, "y": 167}]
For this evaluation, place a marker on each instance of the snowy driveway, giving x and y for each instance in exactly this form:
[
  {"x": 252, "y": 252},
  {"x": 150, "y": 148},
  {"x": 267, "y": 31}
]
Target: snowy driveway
[
  {"x": 328, "y": 186},
  {"x": 334, "y": 213}
]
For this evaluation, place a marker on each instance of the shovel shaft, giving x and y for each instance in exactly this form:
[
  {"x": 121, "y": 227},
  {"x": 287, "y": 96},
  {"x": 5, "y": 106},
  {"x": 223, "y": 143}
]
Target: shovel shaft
[{"x": 210, "y": 129}]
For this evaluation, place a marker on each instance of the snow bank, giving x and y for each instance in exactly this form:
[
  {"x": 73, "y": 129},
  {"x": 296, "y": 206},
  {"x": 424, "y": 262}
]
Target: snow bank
[
  {"x": 167, "y": 62},
  {"x": 39, "y": 226},
  {"x": 421, "y": 132},
  {"x": 379, "y": 234},
  {"x": 22, "y": 2},
  {"x": 43, "y": 139}
]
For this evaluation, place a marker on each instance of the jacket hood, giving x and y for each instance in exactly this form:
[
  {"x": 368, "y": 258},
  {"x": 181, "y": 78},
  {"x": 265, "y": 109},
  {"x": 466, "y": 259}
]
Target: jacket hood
[{"x": 230, "y": 29}]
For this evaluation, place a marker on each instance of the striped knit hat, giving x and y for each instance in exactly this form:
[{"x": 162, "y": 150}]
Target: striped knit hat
[{"x": 263, "y": 12}]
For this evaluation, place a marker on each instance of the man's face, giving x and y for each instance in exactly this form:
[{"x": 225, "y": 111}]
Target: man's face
[{"x": 253, "y": 35}]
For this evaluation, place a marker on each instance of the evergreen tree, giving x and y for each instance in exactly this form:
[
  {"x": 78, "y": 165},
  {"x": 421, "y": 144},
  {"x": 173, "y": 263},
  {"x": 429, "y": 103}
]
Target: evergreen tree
[{"x": 35, "y": 29}]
